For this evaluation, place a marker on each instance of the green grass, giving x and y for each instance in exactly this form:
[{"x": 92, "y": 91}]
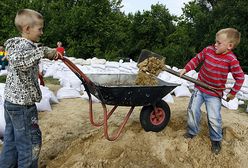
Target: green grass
[
  {"x": 242, "y": 108},
  {"x": 2, "y": 79},
  {"x": 49, "y": 80}
]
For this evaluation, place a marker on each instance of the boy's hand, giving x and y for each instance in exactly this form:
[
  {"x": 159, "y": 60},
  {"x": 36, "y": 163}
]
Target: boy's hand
[
  {"x": 229, "y": 97},
  {"x": 58, "y": 56},
  {"x": 182, "y": 72},
  {"x": 49, "y": 53}
]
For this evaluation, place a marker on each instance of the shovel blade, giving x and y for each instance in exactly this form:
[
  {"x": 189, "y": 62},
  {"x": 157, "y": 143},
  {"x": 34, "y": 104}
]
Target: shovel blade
[{"x": 146, "y": 54}]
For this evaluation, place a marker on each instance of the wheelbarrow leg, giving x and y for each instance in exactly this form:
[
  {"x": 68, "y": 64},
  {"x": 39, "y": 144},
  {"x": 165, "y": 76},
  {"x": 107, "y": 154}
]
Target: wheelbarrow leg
[
  {"x": 98, "y": 124},
  {"x": 118, "y": 130}
]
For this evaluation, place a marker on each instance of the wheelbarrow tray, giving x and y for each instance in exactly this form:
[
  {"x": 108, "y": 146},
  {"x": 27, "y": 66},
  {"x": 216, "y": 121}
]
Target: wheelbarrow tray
[{"x": 121, "y": 90}]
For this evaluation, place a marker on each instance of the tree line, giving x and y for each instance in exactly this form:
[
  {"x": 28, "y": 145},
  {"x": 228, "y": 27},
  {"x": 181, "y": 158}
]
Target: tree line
[{"x": 93, "y": 28}]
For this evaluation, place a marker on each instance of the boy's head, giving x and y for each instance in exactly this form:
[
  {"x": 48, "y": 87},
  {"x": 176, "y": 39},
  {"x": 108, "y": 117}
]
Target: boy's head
[
  {"x": 59, "y": 44},
  {"x": 226, "y": 40},
  {"x": 1, "y": 48},
  {"x": 30, "y": 24}
]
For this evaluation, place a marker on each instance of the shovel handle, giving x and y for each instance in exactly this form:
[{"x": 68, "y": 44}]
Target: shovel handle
[
  {"x": 204, "y": 85},
  {"x": 197, "y": 82}
]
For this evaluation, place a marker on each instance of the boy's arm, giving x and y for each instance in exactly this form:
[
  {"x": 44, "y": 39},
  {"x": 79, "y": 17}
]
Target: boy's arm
[
  {"x": 24, "y": 59},
  {"x": 193, "y": 63},
  {"x": 238, "y": 75}
]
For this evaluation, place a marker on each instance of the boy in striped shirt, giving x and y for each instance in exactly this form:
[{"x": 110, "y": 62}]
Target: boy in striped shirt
[{"x": 217, "y": 61}]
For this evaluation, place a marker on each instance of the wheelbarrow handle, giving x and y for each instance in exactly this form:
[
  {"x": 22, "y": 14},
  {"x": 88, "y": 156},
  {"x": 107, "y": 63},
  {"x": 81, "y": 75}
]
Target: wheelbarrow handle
[{"x": 76, "y": 70}]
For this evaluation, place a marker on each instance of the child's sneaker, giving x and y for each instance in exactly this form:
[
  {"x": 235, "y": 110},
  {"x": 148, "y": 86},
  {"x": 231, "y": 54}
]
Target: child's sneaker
[
  {"x": 216, "y": 147},
  {"x": 188, "y": 136}
]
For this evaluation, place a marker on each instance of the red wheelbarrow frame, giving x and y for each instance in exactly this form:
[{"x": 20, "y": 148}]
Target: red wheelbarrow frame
[{"x": 107, "y": 114}]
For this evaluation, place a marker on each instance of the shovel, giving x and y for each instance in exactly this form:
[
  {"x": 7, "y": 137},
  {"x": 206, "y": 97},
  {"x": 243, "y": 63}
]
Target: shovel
[{"x": 147, "y": 54}]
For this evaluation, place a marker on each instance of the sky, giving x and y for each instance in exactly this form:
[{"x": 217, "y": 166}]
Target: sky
[{"x": 174, "y": 6}]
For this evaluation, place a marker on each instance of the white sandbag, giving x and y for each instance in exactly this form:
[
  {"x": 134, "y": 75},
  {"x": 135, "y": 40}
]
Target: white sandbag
[
  {"x": 2, "y": 119},
  {"x": 2, "y": 122},
  {"x": 182, "y": 91},
  {"x": 85, "y": 69},
  {"x": 112, "y": 64},
  {"x": 71, "y": 80},
  {"x": 94, "y": 99},
  {"x": 49, "y": 71},
  {"x": 4, "y": 72},
  {"x": 99, "y": 66},
  {"x": 43, "y": 105},
  {"x": 58, "y": 74},
  {"x": 129, "y": 65},
  {"x": 47, "y": 93},
  {"x": 165, "y": 76},
  {"x": 175, "y": 69},
  {"x": 2, "y": 85},
  {"x": 168, "y": 98},
  {"x": 232, "y": 104},
  {"x": 195, "y": 76},
  {"x": 64, "y": 82},
  {"x": 78, "y": 61},
  {"x": 125, "y": 71},
  {"x": 110, "y": 70},
  {"x": 191, "y": 73},
  {"x": 241, "y": 102},
  {"x": 86, "y": 62},
  {"x": 71, "y": 58},
  {"x": 245, "y": 84},
  {"x": 247, "y": 109},
  {"x": 67, "y": 92},
  {"x": 95, "y": 60},
  {"x": 76, "y": 84}
]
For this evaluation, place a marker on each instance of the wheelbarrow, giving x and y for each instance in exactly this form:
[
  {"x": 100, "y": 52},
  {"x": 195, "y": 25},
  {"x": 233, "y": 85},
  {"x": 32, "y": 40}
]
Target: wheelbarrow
[{"x": 121, "y": 90}]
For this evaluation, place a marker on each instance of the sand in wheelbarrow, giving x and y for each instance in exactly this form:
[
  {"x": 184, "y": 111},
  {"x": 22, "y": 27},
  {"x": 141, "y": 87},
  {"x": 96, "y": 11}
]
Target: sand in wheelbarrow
[{"x": 149, "y": 69}]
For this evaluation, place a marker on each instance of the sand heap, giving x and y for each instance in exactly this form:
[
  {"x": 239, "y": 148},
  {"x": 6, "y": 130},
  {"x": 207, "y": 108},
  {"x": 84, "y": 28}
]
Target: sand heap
[{"x": 149, "y": 70}]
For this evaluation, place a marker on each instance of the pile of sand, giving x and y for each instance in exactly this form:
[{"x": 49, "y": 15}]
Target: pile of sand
[
  {"x": 149, "y": 69},
  {"x": 69, "y": 140}
]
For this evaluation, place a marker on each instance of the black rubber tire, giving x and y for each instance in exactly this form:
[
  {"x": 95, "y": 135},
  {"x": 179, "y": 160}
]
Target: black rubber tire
[{"x": 147, "y": 120}]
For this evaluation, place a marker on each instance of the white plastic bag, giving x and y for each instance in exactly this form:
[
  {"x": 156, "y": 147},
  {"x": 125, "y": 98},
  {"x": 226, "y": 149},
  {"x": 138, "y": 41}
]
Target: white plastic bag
[
  {"x": 182, "y": 91},
  {"x": 67, "y": 92}
]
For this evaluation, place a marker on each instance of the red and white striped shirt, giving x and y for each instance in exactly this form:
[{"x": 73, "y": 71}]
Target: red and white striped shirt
[{"x": 215, "y": 69}]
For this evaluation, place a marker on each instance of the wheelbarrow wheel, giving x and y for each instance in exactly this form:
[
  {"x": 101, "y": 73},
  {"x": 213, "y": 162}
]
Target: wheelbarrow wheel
[{"x": 155, "y": 121}]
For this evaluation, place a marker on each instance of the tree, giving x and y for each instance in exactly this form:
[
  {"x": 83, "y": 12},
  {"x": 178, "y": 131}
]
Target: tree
[{"x": 150, "y": 29}]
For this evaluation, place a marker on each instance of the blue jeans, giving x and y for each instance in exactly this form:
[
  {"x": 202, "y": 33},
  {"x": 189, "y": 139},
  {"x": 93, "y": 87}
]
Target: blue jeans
[
  {"x": 22, "y": 137},
  {"x": 213, "y": 107}
]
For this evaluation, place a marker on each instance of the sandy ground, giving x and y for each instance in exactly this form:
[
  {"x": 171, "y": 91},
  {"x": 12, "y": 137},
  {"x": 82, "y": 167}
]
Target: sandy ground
[{"x": 70, "y": 141}]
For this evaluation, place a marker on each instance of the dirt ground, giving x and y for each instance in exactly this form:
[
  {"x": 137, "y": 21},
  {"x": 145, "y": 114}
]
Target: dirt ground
[{"x": 70, "y": 141}]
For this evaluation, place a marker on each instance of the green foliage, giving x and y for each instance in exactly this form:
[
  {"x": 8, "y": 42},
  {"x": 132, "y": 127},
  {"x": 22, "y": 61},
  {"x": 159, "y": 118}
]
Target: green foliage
[{"x": 93, "y": 28}]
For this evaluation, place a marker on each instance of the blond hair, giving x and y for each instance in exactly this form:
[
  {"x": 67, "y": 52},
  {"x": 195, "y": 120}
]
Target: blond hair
[
  {"x": 232, "y": 35},
  {"x": 26, "y": 17}
]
